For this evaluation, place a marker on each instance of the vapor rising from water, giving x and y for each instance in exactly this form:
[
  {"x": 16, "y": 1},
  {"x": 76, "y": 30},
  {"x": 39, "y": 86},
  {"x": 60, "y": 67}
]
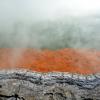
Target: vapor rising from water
[{"x": 49, "y": 24}]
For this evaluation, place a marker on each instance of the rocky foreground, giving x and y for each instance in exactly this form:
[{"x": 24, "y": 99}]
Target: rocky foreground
[{"x": 27, "y": 85}]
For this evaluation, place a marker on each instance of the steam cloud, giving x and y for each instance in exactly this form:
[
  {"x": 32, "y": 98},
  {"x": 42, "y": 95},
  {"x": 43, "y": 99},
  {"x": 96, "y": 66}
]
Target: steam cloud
[{"x": 50, "y": 24}]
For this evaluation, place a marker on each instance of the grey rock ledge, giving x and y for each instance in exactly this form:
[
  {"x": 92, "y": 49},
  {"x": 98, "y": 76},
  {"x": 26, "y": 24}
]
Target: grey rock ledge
[{"x": 28, "y": 85}]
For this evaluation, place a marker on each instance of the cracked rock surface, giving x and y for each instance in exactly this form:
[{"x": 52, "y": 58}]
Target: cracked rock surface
[{"x": 27, "y": 85}]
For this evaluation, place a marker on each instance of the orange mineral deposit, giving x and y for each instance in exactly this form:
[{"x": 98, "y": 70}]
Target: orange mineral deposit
[{"x": 83, "y": 61}]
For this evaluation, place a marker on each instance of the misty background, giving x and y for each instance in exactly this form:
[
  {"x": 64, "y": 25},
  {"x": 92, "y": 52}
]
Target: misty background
[{"x": 50, "y": 24}]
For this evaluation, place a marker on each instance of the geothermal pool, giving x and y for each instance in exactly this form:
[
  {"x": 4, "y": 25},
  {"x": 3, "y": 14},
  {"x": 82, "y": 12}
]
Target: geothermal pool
[{"x": 82, "y": 61}]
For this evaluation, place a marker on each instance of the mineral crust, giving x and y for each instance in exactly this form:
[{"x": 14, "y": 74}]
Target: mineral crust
[{"x": 27, "y": 85}]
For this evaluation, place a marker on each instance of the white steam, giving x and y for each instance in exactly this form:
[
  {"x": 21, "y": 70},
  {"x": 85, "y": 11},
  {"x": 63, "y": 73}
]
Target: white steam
[{"x": 50, "y": 24}]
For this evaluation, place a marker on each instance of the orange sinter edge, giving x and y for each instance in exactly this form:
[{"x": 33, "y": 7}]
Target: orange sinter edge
[{"x": 82, "y": 61}]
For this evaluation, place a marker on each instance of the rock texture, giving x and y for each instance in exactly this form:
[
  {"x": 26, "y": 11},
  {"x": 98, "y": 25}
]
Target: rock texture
[{"x": 27, "y": 85}]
